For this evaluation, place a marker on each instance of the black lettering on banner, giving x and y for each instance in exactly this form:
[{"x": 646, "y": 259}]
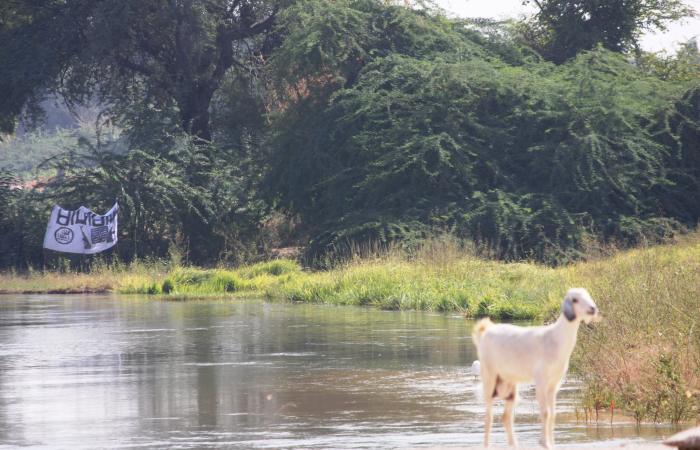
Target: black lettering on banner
[
  {"x": 98, "y": 221},
  {"x": 62, "y": 219},
  {"x": 85, "y": 220},
  {"x": 100, "y": 234},
  {"x": 109, "y": 218},
  {"x": 86, "y": 242}
]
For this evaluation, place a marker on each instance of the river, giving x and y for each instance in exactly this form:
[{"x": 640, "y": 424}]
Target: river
[{"x": 117, "y": 371}]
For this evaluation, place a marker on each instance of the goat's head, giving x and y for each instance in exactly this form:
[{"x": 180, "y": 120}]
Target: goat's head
[{"x": 578, "y": 305}]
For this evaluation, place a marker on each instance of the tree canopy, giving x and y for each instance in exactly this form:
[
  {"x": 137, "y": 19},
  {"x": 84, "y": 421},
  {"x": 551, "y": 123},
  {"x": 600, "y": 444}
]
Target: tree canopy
[
  {"x": 129, "y": 54},
  {"x": 455, "y": 129},
  {"x": 563, "y": 28}
]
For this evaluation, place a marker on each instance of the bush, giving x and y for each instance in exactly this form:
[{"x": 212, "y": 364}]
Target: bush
[
  {"x": 168, "y": 286},
  {"x": 153, "y": 289},
  {"x": 451, "y": 126},
  {"x": 222, "y": 281}
]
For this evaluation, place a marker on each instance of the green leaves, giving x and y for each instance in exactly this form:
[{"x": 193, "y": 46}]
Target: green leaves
[
  {"x": 561, "y": 29},
  {"x": 368, "y": 120},
  {"x": 522, "y": 155},
  {"x": 128, "y": 54}
]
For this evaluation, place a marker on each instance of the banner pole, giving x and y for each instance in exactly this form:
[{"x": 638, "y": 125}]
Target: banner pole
[{"x": 116, "y": 238}]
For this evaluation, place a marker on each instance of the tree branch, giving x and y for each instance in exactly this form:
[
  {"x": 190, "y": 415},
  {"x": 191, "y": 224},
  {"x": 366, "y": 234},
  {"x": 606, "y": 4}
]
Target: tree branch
[
  {"x": 212, "y": 7},
  {"x": 547, "y": 17},
  {"x": 132, "y": 65},
  {"x": 254, "y": 29},
  {"x": 539, "y": 6}
]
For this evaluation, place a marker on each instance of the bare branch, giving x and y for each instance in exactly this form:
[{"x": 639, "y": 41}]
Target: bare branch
[{"x": 256, "y": 28}]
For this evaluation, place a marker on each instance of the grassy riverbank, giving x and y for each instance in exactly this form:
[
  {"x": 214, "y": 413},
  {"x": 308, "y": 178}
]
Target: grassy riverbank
[
  {"x": 644, "y": 356},
  {"x": 438, "y": 277}
]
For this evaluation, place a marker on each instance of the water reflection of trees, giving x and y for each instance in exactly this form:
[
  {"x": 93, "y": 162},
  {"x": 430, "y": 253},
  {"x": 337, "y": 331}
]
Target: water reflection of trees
[
  {"x": 133, "y": 369},
  {"x": 233, "y": 357}
]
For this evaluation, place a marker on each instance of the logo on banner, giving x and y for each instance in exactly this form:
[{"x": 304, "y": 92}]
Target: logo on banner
[{"x": 64, "y": 235}]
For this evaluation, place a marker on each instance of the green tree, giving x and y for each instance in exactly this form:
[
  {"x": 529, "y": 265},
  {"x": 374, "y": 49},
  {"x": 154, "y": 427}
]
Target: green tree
[
  {"x": 684, "y": 65},
  {"x": 128, "y": 54},
  {"x": 563, "y": 28},
  {"x": 180, "y": 80},
  {"x": 456, "y": 128}
]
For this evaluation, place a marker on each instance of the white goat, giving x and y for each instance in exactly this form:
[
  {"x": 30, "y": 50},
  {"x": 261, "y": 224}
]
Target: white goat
[{"x": 510, "y": 355}]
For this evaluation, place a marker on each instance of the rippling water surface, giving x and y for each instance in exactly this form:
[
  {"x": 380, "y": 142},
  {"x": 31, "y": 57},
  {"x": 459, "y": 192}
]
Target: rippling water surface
[{"x": 107, "y": 371}]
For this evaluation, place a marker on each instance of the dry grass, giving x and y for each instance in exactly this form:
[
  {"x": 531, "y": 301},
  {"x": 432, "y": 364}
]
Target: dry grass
[
  {"x": 645, "y": 354},
  {"x": 103, "y": 276},
  {"x": 57, "y": 283},
  {"x": 51, "y": 282}
]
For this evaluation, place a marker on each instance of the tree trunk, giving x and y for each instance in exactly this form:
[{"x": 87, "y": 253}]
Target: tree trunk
[{"x": 195, "y": 113}]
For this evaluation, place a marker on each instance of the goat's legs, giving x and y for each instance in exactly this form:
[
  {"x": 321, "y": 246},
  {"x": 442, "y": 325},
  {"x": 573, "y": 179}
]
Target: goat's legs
[
  {"x": 552, "y": 401},
  {"x": 488, "y": 419},
  {"x": 508, "y": 414},
  {"x": 545, "y": 414},
  {"x": 489, "y": 391}
]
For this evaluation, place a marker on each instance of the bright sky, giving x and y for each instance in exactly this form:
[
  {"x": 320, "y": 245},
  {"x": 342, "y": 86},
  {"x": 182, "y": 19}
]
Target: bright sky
[{"x": 503, "y": 9}]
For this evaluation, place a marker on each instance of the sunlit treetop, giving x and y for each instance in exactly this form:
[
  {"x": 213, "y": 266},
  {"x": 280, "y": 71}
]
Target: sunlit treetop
[{"x": 563, "y": 28}]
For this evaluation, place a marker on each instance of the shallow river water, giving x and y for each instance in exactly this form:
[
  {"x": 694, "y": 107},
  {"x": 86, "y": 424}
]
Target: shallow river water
[{"x": 108, "y": 371}]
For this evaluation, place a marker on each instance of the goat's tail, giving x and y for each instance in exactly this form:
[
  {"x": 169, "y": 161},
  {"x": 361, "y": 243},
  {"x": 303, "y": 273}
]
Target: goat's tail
[{"x": 480, "y": 328}]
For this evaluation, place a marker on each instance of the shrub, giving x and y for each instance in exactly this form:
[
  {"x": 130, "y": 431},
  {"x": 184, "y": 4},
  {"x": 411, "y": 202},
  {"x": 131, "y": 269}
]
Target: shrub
[
  {"x": 152, "y": 289},
  {"x": 223, "y": 281},
  {"x": 168, "y": 286}
]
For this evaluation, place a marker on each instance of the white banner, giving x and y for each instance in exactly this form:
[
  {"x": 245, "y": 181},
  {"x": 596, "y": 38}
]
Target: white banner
[{"x": 81, "y": 231}]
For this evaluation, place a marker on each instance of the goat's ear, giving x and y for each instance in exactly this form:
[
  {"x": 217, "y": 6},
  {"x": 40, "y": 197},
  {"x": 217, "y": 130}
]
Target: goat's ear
[{"x": 568, "y": 309}]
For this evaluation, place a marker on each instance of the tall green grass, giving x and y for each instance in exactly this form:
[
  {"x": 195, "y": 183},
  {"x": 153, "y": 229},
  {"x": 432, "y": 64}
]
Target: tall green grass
[
  {"x": 438, "y": 276},
  {"x": 188, "y": 282}
]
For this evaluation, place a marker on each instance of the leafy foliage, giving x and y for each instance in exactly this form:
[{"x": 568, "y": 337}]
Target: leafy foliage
[
  {"x": 370, "y": 120},
  {"x": 684, "y": 65},
  {"x": 563, "y": 28},
  {"x": 128, "y": 55},
  {"x": 166, "y": 184},
  {"x": 460, "y": 138},
  {"x": 22, "y": 155},
  {"x": 22, "y": 223}
]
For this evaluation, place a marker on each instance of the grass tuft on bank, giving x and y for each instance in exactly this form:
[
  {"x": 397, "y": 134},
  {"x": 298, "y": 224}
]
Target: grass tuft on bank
[
  {"x": 187, "y": 283},
  {"x": 469, "y": 286}
]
